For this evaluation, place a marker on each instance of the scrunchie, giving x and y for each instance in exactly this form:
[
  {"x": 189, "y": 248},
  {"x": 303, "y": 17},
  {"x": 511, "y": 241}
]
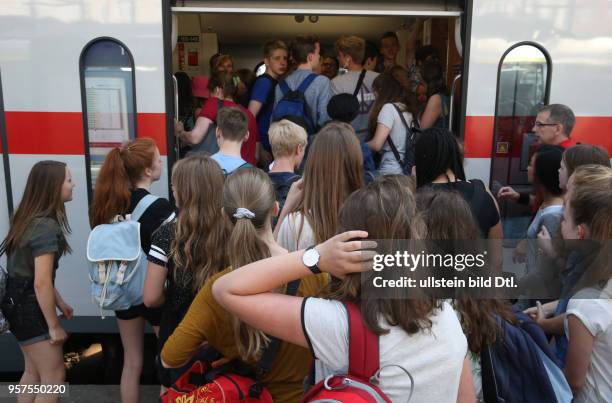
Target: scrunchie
[{"x": 243, "y": 213}]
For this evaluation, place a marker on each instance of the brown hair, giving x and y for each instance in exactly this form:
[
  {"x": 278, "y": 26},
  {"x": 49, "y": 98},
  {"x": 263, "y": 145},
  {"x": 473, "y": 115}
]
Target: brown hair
[
  {"x": 201, "y": 233},
  {"x": 228, "y": 82},
  {"x": 390, "y": 87},
  {"x": 592, "y": 206},
  {"x": 352, "y": 46},
  {"x": 302, "y": 46},
  {"x": 386, "y": 209},
  {"x": 218, "y": 61},
  {"x": 273, "y": 45},
  {"x": 249, "y": 189},
  {"x": 448, "y": 217},
  {"x": 42, "y": 197},
  {"x": 583, "y": 154},
  {"x": 233, "y": 123},
  {"x": 121, "y": 169},
  {"x": 334, "y": 169}
]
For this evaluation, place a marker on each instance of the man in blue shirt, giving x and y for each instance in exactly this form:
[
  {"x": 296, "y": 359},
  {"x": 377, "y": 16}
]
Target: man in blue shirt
[{"x": 231, "y": 132}]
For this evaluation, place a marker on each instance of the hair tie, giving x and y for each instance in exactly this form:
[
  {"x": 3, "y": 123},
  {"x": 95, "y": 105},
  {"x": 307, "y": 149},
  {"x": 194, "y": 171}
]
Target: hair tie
[{"x": 243, "y": 213}]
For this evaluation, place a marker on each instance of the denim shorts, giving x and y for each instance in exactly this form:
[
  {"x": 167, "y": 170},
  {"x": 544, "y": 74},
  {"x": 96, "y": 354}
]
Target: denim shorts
[{"x": 23, "y": 313}]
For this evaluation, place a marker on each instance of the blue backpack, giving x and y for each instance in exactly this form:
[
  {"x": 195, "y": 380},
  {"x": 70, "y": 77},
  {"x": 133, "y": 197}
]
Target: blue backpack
[
  {"x": 293, "y": 105},
  {"x": 117, "y": 263}
]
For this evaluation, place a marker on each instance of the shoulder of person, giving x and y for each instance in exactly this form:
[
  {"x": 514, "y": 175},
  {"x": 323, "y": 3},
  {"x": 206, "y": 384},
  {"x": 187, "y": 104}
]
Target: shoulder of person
[{"x": 44, "y": 224}]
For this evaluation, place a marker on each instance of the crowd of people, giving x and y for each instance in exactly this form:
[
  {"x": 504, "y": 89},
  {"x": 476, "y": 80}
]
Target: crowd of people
[{"x": 244, "y": 258}]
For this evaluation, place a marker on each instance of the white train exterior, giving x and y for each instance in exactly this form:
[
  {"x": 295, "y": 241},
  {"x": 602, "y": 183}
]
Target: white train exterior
[{"x": 42, "y": 100}]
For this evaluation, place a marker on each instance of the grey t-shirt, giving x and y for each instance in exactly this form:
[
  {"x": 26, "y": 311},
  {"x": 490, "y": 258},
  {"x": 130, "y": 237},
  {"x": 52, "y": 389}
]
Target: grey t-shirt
[
  {"x": 346, "y": 83},
  {"x": 317, "y": 95},
  {"x": 389, "y": 117},
  {"x": 43, "y": 235}
]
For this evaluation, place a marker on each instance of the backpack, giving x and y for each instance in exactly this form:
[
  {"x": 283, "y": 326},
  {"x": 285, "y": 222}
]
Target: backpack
[
  {"x": 293, "y": 104},
  {"x": 4, "y": 325},
  {"x": 408, "y": 162},
  {"x": 359, "y": 386},
  {"x": 117, "y": 263},
  {"x": 243, "y": 166},
  {"x": 209, "y": 143},
  {"x": 522, "y": 367},
  {"x": 232, "y": 382}
]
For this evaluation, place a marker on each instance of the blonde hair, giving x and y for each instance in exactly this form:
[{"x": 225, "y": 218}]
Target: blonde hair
[
  {"x": 249, "y": 189},
  {"x": 285, "y": 136},
  {"x": 201, "y": 233},
  {"x": 352, "y": 46},
  {"x": 587, "y": 178}
]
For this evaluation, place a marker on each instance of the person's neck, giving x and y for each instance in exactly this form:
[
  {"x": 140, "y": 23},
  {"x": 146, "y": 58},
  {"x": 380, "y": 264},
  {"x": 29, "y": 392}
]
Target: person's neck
[
  {"x": 144, "y": 183},
  {"x": 560, "y": 140},
  {"x": 267, "y": 236},
  {"x": 304, "y": 66},
  {"x": 230, "y": 148},
  {"x": 283, "y": 164},
  {"x": 272, "y": 74},
  {"x": 551, "y": 200},
  {"x": 355, "y": 67},
  {"x": 445, "y": 177}
]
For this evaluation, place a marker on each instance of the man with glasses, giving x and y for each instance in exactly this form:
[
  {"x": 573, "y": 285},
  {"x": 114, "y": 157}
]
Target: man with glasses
[{"x": 553, "y": 126}]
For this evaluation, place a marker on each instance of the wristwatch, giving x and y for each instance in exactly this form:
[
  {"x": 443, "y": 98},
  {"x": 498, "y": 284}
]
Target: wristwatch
[{"x": 311, "y": 258}]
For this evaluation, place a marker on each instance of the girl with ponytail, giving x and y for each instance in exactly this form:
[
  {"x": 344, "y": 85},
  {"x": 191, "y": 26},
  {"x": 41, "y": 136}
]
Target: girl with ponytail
[
  {"x": 125, "y": 178},
  {"x": 248, "y": 204}
]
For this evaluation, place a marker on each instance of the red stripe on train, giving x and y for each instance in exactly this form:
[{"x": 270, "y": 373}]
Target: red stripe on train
[
  {"x": 62, "y": 132},
  {"x": 588, "y": 130}
]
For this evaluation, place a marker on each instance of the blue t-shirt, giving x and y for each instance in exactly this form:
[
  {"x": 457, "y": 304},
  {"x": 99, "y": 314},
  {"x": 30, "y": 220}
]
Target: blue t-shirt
[
  {"x": 263, "y": 91},
  {"x": 228, "y": 163}
]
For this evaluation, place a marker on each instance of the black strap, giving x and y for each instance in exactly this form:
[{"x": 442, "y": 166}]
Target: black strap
[
  {"x": 409, "y": 136},
  {"x": 359, "y": 82},
  {"x": 265, "y": 362}
]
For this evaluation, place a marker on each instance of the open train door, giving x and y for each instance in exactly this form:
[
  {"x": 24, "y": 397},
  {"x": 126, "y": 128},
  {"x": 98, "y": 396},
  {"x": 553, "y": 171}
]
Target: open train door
[{"x": 207, "y": 27}]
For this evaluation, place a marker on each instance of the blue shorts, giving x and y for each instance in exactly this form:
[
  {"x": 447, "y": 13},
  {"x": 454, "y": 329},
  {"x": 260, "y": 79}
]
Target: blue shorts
[{"x": 21, "y": 309}]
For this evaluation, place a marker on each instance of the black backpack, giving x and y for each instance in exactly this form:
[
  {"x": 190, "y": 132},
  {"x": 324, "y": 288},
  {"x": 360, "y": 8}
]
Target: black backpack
[
  {"x": 209, "y": 144},
  {"x": 411, "y": 132}
]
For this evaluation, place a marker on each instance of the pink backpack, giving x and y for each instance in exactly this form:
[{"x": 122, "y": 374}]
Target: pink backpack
[{"x": 359, "y": 386}]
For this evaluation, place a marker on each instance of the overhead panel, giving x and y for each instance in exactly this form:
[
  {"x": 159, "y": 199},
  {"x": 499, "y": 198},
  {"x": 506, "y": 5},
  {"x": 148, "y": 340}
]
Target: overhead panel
[{"x": 434, "y": 8}]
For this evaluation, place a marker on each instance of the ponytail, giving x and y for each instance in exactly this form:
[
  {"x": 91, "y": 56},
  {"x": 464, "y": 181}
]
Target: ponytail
[
  {"x": 121, "y": 169},
  {"x": 248, "y": 200}
]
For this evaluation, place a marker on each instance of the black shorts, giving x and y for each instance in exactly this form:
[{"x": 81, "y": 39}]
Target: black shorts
[
  {"x": 151, "y": 315},
  {"x": 23, "y": 313}
]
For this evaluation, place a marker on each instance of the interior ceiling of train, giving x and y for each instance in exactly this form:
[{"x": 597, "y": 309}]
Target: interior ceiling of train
[{"x": 257, "y": 28}]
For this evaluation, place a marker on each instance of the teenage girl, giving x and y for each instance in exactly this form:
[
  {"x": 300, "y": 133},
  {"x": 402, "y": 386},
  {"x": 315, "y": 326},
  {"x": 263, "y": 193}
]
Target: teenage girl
[
  {"x": 125, "y": 178},
  {"x": 35, "y": 242}
]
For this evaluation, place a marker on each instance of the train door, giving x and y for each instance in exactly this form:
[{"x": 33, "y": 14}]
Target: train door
[{"x": 240, "y": 29}]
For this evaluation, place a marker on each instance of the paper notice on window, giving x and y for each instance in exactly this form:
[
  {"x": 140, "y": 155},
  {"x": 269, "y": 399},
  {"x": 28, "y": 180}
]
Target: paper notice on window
[{"x": 107, "y": 111}]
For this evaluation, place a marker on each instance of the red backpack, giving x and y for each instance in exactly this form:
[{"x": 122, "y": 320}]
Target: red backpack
[
  {"x": 233, "y": 382},
  {"x": 359, "y": 386}
]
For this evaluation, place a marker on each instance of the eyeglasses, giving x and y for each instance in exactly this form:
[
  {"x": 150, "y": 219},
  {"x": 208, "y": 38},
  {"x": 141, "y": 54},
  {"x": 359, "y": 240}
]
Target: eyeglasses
[{"x": 540, "y": 124}]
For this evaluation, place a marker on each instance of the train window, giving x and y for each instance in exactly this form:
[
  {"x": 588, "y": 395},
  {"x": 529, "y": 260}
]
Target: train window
[
  {"x": 523, "y": 86},
  {"x": 109, "y": 104}
]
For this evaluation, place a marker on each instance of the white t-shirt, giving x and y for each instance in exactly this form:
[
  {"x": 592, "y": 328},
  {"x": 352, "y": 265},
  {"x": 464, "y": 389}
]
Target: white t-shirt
[
  {"x": 433, "y": 357},
  {"x": 595, "y": 313},
  {"x": 289, "y": 235},
  {"x": 389, "y": 117}
]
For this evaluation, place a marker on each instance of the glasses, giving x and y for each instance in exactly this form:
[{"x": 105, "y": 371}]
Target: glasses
[{"x": 540, "y": 124}]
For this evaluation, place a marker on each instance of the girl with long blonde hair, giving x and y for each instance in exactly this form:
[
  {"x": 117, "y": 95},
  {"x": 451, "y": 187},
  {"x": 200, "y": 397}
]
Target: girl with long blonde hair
[
  {"x": 334, "y": 169},
  {"x": 191, "y": 248},
  {"x": 248, "y": 204}
]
